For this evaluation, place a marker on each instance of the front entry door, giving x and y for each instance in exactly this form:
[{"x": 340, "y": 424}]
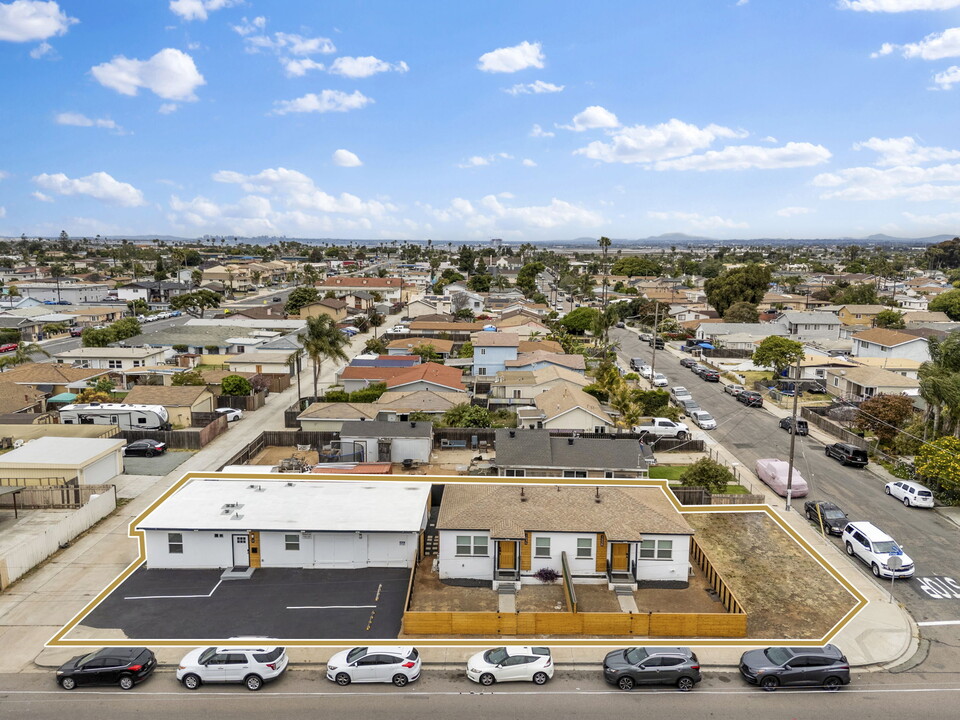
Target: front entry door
[
  {"x": 620, "y": 561},
  {"x": 241, "y": 551},
  {"x": 507, "y": 553}
]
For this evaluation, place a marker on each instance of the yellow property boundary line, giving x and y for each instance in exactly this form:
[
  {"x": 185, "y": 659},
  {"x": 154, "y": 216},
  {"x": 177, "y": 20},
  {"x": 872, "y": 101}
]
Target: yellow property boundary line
[{"x": 60, "y": 639}]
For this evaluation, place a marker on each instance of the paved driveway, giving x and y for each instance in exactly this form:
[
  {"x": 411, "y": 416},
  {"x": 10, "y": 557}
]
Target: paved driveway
[
  {"x": 157, "y": 465},
  {"x": 286, "y": 604}
]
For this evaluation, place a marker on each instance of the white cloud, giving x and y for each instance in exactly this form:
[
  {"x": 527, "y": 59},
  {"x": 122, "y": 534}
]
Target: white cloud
[
  {"x": 492, "y": 214},
  {"x": 527, "y": 162},
  {"x": 948, "y": 78},
  {"x": 98, "y": 185},
  {"x": 41, "y": 50},
  {"x": 248, "y": 27},
  {"x": 745, "y": 157},
  {"x": 170, "y": 74},
  {"x": 325, "y": 101},
  {"x": 896, "y": 6},
  {"x": 299, "y": 67},
  {"x": 914, "y": 184},
  {"x": 198, "y": 9},
  {"x": 4, "y": 174},
  {"x": 482, "y": 160},
  {"x": 167, "y": 108},
  {"x": 3, "y": 211},
  {"x": 935, "y": 46},
  {"x": 905, "y": 151},
  {"x": 345, "y": 158},
  {"x": 29, "y": 20},
  {"x": 512, "y": 59},
  {"x": 81, "y": 120},
  {"x": 41, "y": 196},
  {"x": 698, "y": 221},
  {"x": 535, "y": 88},
  {"x": 740, "y": 3},
  {"x": 945, "y": 220},
  {"x": 283, "y": 43},
  {"x": 794, "y": 210},
  {"x": 644, "y": 144},
  {"x": 539, "y": 132},
  {"x": 592, "y": 117},
  {"x": 361, "y": 67}
]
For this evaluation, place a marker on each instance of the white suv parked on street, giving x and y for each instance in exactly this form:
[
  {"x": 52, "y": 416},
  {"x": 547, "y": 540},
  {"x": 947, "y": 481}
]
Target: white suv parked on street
[
  {"x": 910, "y": 493},
  {"x": 251, "y": 666},
  {"x": 867, "y": 542}
]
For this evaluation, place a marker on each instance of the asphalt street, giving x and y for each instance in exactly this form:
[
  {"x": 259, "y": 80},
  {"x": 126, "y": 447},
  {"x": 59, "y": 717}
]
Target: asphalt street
[{"x": 305, "y": 693}]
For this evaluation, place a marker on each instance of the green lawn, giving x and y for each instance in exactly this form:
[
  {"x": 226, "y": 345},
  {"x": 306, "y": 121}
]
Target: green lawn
[{"x": 667, "y": 472}]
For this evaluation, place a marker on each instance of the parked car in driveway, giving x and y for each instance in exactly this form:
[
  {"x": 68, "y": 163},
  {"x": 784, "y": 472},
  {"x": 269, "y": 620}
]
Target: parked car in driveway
[
  {"x": 703, "y": 419},
  {"x": 145, "y": 448},
  {"x": 801, "y": 426},
  {"x": 847, "y": 454},
  {"x": 834, "y": 519},
  {"x": 750, "y": 398},
  {"x": 397, "y": 665},
  {"x": 774, "y": 473},
  {"x": 825, "y": 667},
  {"x": 231, "y": 414},
  {"x": 911, "y": 494},
  {"x": 875, "y": 548},
  {"x": 733, "y": 389},
  {"x": 652, "y": 666},
  {"x": 252, "y": 666},
  {"x": 124, "y": 666},
  {"x": 510, "y": 664}
]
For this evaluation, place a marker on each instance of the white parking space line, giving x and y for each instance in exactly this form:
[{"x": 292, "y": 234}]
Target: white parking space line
[
  {"x": 933, "y": 623},
  {"x": 172, "y": 597},
  {"x": 327, "y": 607}
]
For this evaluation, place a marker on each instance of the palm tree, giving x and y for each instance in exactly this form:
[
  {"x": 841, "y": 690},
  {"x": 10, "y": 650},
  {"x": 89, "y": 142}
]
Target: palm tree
[
  {"x": 322, "y": 341},
  {"x": 22, "y": 355}
]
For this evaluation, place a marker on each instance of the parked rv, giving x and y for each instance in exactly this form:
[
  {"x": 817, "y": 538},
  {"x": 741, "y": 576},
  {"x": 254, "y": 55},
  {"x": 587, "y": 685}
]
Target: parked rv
[{"x": 126, "y": 416}]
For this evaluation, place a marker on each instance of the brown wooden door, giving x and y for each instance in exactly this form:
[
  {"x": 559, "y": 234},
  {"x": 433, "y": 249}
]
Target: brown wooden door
[
  {"x": 507, "y": 552},
  {"x": 620, "y": 557},
  {"x": 254, "y": 548}
]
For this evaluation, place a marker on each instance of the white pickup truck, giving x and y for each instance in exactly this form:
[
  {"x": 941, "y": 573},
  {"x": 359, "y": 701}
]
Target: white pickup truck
[{"x": 663, "y": 427}]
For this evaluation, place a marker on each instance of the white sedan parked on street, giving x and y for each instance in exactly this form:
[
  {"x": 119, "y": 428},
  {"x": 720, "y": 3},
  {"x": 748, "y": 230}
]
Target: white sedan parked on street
[
  {"x": 507, "y": 664},
  {"x": 232, "y": 414},
  {"x": 660, "y": 380},
  {"x": 703, "y": 419},
  {"x": 397, "y": 665}
]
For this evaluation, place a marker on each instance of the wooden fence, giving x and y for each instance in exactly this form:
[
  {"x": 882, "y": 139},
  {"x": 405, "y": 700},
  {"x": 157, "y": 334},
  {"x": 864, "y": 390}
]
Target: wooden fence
[
  {"x": 191, "y": 439},
  {"x": 55, "y": 496},
  {"x": 243, "y": 402},
  {"x": 837, "y": 430},
  {"x": 291, "y": 413},
  {"x": 532, "y": 624},
  {"x": 569, "y": 591},
  {"x": 716, "y": 580},
  {"x": 696, "y": 495}
]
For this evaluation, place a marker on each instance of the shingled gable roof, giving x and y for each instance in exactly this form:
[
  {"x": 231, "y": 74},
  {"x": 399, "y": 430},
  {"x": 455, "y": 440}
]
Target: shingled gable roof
[
  {"x": 624, "y": 514},
  {"x": 170, "y": 396},
  {"x": 574, "y": 362},
  {"x": 887, "y": 338},
  {"x": 563, "y": 398},
  {"x": 449, "y": 377},
  {"x": 537, "y": 450},
  {"x": 48, "y": 374}
]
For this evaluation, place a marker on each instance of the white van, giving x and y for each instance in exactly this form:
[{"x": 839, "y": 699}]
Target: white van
[{"x": 869, "y": 543}]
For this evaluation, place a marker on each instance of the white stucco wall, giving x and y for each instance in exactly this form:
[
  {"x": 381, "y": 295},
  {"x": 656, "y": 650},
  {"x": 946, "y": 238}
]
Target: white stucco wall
[
  {"x": 577, "y": 419},
  {"x": 675, "y": 569},
  {"x": 465, "y": 567},
  {"x": 560, "y": 542},
  {"x": 200, "y": 550},
  {"x": 103, "y": 470},
  {"x": 400, "y": 448}
]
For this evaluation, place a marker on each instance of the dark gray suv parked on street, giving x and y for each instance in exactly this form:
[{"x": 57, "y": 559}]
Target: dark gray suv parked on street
[
  {"x": 652, "y": 666},
  {"x": 824, "y": 667}
]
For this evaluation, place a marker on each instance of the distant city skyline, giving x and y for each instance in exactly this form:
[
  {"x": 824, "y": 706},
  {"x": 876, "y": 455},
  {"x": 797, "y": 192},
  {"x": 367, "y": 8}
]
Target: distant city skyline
[{"x": 531, "y": 122}]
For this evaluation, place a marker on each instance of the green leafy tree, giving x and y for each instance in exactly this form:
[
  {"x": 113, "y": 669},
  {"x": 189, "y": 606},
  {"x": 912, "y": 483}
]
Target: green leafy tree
[
  {"x": 97, "y": 337},
  {"x": 126, "y": 328},
  {"x": 138, "y": 306},
  {"x": 196, "y": 303},
  {"x": 709, "y": 474},
  {"x": 235, "y": 385},
  {"x": 948, "y": 302},
  {"x": 187, "y": 377},
  {"x": 299, "y": 298},
  {"x": 778, "y": 353},
  {"x": 580, "y": 320},
  {"x": 748, "y": 283},
  {"x": 890, "y": 319},
  {"x": 885, "y": 415},
  {"x": 944, "y": 255},
  {"x": 426, "y": 352},
  {"x": 371, "y": 393},
  {"x": 938, "y": 463},
  {"x": 467, "y": 415},
  {"x": 375, "y": 346},
  {"x": 480, "y": 283},
  {"x": 527, "y": 277},
  {"x": 634, "y": 266},
  {"x": 741, "y": 312},
  {"x": 466, "y": 350},
  {"x": 859, "y": 294}
]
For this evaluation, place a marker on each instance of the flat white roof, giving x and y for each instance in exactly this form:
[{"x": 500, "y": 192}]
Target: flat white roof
[
  {"x": 284, "y": 504},
  {"x": 110, "y": 352},
  {"x": 60, "y": 451}
]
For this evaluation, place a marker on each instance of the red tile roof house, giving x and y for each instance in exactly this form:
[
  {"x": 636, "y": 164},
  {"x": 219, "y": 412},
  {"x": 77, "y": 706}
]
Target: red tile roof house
[
  {"x": 427, "y": 376},
  {"x": 391, "y": 288}
]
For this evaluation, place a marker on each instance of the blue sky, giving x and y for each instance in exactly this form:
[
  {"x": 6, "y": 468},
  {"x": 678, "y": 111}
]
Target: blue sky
[{"x": 450, "y": 120}]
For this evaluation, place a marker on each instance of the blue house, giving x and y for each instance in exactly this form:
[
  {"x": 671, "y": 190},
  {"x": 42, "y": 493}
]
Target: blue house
[{"x": 491, "y": 350}]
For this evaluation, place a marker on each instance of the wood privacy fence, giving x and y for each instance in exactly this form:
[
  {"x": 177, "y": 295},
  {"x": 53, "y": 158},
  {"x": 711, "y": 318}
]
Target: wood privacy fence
[
  {"x": 532, "y": 624},
  {"x": 193, "y": 438},
  {"x": 716, "y": 580},
  {"x": 835, "y": 429},
  {"x": 291, "y": 413},
  {"x": 243, "y": 402},
  {"x": 696, "y": 495}
]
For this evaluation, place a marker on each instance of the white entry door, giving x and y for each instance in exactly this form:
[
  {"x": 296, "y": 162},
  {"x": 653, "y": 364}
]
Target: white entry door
[{"x": 241, "y": 551}]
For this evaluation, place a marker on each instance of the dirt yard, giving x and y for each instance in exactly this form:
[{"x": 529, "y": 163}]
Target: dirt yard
[
  {"x": 698, "y": 597},
  {"x": 431, "y": 595},
  {"x": 273, "y": 454},
  {"x": 784, "y": 591},
  {"x": 541, "y": 598},
  {"x": 596, "y": 598}
]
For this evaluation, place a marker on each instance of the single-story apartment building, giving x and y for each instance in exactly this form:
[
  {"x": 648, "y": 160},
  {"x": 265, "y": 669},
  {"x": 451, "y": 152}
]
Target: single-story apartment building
[
  {"x": 377, "y": 441},
  {"x": 244, "y": 523},
  {"x": 112, "y": 358},
  {"x": 537, "y": 453}
]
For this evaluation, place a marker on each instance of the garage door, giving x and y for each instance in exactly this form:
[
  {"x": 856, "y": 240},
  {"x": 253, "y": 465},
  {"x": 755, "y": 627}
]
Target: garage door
[
  {"x": 102, "y": 471},
  {"x": 340, "y": 550}
]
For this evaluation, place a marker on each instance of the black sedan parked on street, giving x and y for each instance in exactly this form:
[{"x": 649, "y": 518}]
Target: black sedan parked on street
[
  {"x": 834, "y": 519},
  {"x": 750, "y": 398},
  {"x": 123, "y": 666},
  {"x": 146, "y": 448},
  {"x": 652, "y": 666}
]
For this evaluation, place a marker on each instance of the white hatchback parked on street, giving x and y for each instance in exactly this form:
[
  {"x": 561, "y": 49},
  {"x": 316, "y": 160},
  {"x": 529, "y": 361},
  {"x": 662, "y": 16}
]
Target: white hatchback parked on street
[
  {"x": 397, "y": 665},
  {"x": 910, "y": 493},
  {"x": 507, "y": 664},
  {"x": 252, "y": 666}
]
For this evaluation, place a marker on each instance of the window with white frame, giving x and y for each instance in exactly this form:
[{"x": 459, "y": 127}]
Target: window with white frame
[
  {"x": 291, "y": 542},
  {"x": 574, "y": 473},
  {"x": 175, "y": 543},
  {"x": 542, "y": 547},
  {"x": 656, "y": 549},
  {"x": 476, "y": 545},
  {"x": 481, "y": 371},
  {"x": 585, "y": 548},
  {"x": 511, "y": 472},
  {"x": 115, "y": 364}
]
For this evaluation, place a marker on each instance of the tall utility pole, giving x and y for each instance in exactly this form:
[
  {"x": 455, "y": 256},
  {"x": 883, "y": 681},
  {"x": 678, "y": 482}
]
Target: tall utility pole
[
  {"x": 604, "y": 243},
  {"x": 656, "y": 324},
  {"x": 793, "y": 432}
]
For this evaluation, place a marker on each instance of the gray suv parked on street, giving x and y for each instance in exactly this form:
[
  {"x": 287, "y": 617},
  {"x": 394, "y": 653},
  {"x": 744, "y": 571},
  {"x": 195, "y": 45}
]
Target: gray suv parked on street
[
  {"x": 652, "y": 666},
  {"x": 773, "y": 667}
]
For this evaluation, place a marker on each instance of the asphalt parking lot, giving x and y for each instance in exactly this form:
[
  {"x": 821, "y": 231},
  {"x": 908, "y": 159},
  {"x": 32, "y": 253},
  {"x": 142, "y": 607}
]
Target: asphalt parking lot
[
  {"x": 283, "y": 603},
  {"x": 157, "y": 465}
]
